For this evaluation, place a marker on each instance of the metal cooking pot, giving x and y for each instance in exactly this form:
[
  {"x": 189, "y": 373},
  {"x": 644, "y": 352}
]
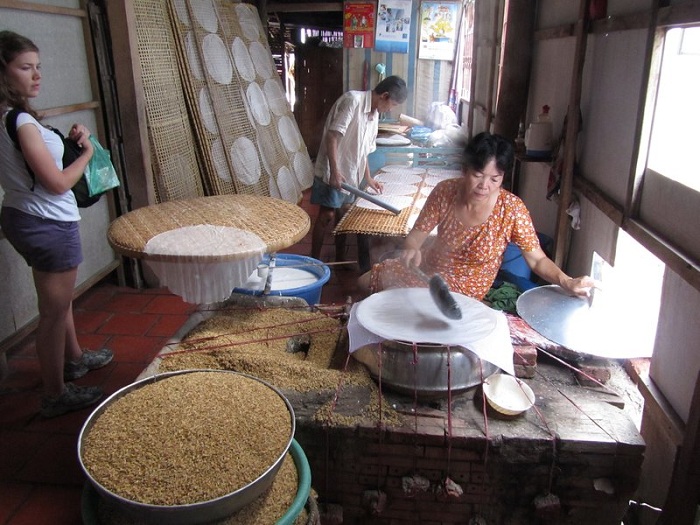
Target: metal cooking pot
[{"x": 424, "y": 372}]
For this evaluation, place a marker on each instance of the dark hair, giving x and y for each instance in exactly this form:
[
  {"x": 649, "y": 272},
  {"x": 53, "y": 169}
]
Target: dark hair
[
  {"x": 11, "y": 45},
  {"x": 395, "y": 86},
  {"x": 484, "y": 147}
]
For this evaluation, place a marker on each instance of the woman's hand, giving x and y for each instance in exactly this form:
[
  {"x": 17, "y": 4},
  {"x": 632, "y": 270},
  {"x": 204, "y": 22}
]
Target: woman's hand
[
  {"x": 580, "y": 286},
  {"x": 410, "y": 257},
  {"x": 81, "y": 135}
]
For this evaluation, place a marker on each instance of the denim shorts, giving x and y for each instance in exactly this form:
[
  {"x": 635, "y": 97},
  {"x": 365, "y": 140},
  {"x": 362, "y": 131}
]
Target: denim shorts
[
  {"x": 326, "y": 195},
  {"x": 47, "y": 245}
]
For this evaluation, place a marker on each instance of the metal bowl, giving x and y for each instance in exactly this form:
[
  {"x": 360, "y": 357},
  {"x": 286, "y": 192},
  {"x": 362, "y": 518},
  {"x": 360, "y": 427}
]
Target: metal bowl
[
  {"x": 195, "y": 513},
  {"x": 429, "y": 372}
]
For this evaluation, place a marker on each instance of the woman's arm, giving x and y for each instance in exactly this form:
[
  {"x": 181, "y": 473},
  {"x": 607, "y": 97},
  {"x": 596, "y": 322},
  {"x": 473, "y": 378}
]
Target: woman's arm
[
  {"x": 42, "y": 163},
  {"x": 411, "y": 255},
  {"x": 543, "y": 266}
]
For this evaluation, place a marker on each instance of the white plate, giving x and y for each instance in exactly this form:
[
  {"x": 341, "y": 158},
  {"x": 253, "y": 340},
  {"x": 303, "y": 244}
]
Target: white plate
[
  {"x": 397, "y": 201},
  {"x": 398, "y": 178},
  {"x": 409, "y": 314},
  {"x": 397, "y": 168}
]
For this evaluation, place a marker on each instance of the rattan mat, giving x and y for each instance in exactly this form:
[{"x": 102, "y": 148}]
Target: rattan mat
[{"x": 278, "y": 223}]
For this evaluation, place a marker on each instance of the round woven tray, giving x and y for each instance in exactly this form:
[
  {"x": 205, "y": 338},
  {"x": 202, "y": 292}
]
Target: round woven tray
[{"x": 278, "y": 223}]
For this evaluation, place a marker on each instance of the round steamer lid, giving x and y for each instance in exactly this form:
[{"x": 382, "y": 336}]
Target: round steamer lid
[
  {"x": 573, "y": 323},
  {"x": 277, "y": 223},
  {"x": 410, "y": 314}
]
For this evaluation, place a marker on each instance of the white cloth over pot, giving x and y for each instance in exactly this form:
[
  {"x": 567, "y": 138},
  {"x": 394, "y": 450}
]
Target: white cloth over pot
[
  {"x": 203, "y": 263},
  {"x": 410, "y": 315}
]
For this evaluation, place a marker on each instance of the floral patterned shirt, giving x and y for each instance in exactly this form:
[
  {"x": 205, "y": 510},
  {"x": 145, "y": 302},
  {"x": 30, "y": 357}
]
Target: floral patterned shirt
[{"x": 468, "y": 259}]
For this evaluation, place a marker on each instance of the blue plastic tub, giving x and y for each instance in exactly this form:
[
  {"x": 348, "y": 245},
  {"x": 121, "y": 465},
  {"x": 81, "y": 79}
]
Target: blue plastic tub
[{"x": 311, "y": 293}]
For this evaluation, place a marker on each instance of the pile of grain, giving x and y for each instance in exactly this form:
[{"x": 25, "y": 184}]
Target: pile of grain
[
  {"x": 188, "y": 438},
  {"x": 266, "y": 509},
  {"x": 254, "y": 341}
]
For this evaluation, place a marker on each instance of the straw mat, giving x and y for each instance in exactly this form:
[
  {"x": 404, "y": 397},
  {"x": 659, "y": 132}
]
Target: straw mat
[
  {"x": 381, "y": 222},
  {"x": 173, "y": 153},
  {"x": 374, "y": 222},
  {"x": 278, "y": 223},
  {"x": 248, "y": 139}
]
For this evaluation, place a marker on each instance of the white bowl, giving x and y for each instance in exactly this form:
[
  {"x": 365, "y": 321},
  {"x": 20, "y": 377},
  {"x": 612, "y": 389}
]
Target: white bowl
[{"x": 508, "y": 395}]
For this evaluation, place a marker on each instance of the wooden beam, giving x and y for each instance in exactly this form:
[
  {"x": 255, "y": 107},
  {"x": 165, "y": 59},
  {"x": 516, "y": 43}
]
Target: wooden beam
[
  {"x": 677, "y": 14},
  {"x": 683, "y": 494},
  {"x": 41, "y": 8},
  {"x": 600, "y": 200},
  {"x": 324, "y": 7},
  {"x": 71, "y": 108},
  {"x": 561, "y": 240},
  {"x": 671, "y": 256}
]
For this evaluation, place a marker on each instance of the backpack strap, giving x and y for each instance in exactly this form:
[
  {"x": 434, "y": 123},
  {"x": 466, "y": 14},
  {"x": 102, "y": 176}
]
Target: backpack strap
[{"x": 11, "y": 126}]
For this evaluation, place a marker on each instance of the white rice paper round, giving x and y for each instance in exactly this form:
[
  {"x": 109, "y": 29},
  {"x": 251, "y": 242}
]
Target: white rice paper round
[
  {"x": 216, "y": 59},
  {"x": 289, "y": 134},
  {"x": 206, "y": 110},
  {"x": 284, "y": 187},
  {"x": 262, "y": 58},
  {"x": 249, "y": 20},
  {"x": 245, "y": 162},
  {"x": 219, "y": 156},
  {"x": 193, "y": 56},
  {"x": 258, "y": 104},
  {"x": 182, "y": 13},
  {"x": 205, "y": 13},
  {"x": 303, "y": 168},
  {"x": 276, "y": 98},
  {"x": 242, "y": 59}
]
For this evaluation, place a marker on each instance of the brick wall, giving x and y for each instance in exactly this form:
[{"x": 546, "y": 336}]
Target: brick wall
[{"x": 500, "y": 467}]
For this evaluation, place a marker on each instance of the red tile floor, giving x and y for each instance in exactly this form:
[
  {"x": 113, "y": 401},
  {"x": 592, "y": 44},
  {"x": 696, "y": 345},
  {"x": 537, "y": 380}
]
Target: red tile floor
[{"x": 40, "y": 477}]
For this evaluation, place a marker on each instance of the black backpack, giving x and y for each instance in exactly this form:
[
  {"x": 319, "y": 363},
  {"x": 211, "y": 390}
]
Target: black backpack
[{"x": 71, "y": 151}]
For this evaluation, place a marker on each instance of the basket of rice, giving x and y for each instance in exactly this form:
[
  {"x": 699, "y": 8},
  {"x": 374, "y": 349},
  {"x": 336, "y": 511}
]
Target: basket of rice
[{"x": 187, "y": 447}]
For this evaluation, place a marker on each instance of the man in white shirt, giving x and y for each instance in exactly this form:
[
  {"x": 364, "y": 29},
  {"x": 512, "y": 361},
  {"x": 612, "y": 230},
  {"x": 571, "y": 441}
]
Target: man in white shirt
[{"x": 349, "y": 135}]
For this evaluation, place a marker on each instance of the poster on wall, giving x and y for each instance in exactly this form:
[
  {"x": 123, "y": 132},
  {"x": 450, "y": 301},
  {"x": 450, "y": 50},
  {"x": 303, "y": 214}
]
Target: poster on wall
[
  {"x": 393, "y": 26},
  {"x": 358, "y": 24},
  {"x": 438, "y": 30}
]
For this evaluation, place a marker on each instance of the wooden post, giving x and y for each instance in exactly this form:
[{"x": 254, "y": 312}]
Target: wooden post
[
  {"x": 684, "y": 491},
  {"x": 561, "y": 240}
]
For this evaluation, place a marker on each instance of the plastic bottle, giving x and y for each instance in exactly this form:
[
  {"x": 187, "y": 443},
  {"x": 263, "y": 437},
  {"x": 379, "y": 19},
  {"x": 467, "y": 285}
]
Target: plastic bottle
[{"x": 538, "y": 138}]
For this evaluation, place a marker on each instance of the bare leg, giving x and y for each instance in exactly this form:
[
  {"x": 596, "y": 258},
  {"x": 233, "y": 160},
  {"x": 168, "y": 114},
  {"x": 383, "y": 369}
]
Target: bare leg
[
  {"x": 325, "y": 217},
  {"x": 55, "y": 296},
  {"x": 73, "y": 352}
]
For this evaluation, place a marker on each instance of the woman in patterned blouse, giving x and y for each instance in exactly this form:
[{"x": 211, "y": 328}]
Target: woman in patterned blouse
[{"x": 475, "y": 220}]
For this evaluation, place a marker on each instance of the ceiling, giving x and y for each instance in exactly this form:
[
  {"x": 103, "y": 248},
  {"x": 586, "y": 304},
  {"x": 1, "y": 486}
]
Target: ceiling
[{"x": 318, "y": 15}]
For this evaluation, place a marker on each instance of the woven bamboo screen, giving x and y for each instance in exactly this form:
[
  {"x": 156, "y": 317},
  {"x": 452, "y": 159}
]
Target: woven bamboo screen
[
  {"x": 246, "y": 132},
  {"x": 173, "y": 149}
]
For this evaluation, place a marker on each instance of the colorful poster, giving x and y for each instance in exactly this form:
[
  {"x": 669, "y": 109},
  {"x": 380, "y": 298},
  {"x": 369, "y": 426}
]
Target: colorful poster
[
  {"x": 393, "y": 26},
  {"x": 438, "y": 30},
  {"x": 358, "y": 24}
]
